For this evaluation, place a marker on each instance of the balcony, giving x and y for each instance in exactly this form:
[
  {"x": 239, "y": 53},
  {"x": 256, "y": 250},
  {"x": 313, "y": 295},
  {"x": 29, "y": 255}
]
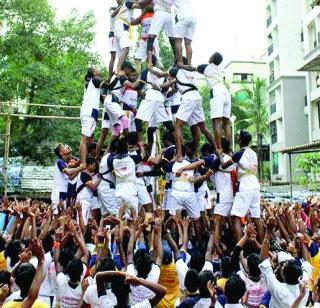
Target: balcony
[
  {"x": 273, "y": 108},
  {"x": 269, "y": 21},
  {"x": 270, "y": 49}
]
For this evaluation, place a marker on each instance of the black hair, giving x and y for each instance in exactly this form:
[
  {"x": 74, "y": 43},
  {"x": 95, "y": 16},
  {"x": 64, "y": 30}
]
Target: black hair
[
  {"x": 120, "y": 289},
  {"x": 197, "y": 260},
  {"x": 113, "y": 145},
  {"x": 226, "y": 266},
  {"x": 74, "y": 269},
  {"x": 90, "y": 161},
  {"x": 245, "y": 138},
  {"x": 253, "y": 262},
  {"x": 126, "y": 65},
  {"x": 48, "y": 243},
  {"x": 106, "y": 264},
  {"x": 225, "y": 144},
  {"x": 203, "y": 278},
  {"x": 207, "y": 148},
  {"x": 191, "y": 280},
  {"x": 154, "y": 60},
  {"x": 89, "y": 75},
  {"x": 57, "y": 149},
  {"x": 234, "y": 289},
  {"x": 122, "y": 146},
  {"x": 291, "y": 272},
  {"x": 23, "y": 278},
  {"x": 92, "y": 146},
  {"x": 65, "y": 256},
  {"x": 132, "y": 138},
  {"x": 2, "y": 243},
  {"x": 168, "y": 137},
  {"x": 13, "y": 250},
  {"x": 143, "y": 263},
  {"x": 217, "y": 58},
  {"x": 5, "y": 277},
  {"x": 191, "y": 146}
]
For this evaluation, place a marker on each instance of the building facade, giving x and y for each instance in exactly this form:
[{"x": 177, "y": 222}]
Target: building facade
[{"x": 287, "y": 86}]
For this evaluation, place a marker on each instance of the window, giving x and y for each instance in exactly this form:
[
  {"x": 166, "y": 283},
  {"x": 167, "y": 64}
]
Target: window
[
  {"x": 275, "y": 163},
  {"x": 318, "y": 105},
  {"x": 273, "y": 132},
  {"x": 240, "y": 77}
]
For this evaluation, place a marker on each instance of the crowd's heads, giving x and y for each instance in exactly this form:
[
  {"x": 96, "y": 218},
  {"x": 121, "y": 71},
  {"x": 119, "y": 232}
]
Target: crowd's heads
[
  {"x": 226, "y": 267},
  {"x": 58, "y": 149},
  {"x": 235, "y": 289},
  {"x": 65, "y": 256},
  {"x": 291, "y": 271},
  {"x": 203, "y": 279},
  {"x": 168, "y": 139},
  {"x": 167, "y": 255},
  {"x": 143, "y": 263},
  {"x": 91, "y": 163},
  {"x": 207, "y": 149},
  {"x": 190, "y": 149},
  {"x": 48, "y": 243},
  {"x": 74, "y": 269},
  {"x": 13, "y": 250},
  {"x": 23, "y": 277},
  {"x": 244, "y": 138},
  {"x": 92, "y": 147},
  {"x": 216, "y": 58},
  {"x": 132, "y": 138},
  {"x": 191, "y": 281},
  {"x": 127, "y": 67},
  {"x": 225, "y": 144},
  {"x": 122, "y": 146},
  {"x": 253, "y": 262},
  {"x": 106, "y": 264},
  {"x": 113, "y": 146}
]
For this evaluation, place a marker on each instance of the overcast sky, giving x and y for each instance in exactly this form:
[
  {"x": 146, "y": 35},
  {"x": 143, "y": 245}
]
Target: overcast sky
[{"x": 235, "y": 28}]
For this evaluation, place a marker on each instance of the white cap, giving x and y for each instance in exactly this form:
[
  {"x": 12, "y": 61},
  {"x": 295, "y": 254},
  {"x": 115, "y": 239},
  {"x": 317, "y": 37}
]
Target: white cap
[{"x": 284, "y": 256}]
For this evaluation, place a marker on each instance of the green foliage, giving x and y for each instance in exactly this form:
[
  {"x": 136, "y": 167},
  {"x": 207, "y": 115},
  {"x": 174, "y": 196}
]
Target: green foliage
[
  {"x": 166, "y": 53},
  {"x": 308, "y": 167},
  {"x": 43, "y": 60}
]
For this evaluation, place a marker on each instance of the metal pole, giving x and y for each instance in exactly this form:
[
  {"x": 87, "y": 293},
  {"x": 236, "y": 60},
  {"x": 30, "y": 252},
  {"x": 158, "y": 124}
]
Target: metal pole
[
  {"x": 6, "y": 151},
  {"x": 232, "y": 135},
  {"x": 290, "y": 170}
]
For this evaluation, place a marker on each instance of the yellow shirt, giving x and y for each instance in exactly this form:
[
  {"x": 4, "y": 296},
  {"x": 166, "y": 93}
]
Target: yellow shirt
[
  {"x": 169, "y": 279},
  {"x": 36, "y": 304},
  {"x": 3, "y": 262},
  {"x": 221, "y": 283}
]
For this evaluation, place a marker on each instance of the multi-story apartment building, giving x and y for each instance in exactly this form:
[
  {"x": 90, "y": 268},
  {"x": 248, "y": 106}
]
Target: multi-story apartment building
[{"x": 287, "y": 87}]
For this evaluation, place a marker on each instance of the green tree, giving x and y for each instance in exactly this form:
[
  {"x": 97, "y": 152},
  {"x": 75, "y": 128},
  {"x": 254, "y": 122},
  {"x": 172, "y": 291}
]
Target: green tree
[
  {"x": 250, "y": 108},
  {"x": 308, "y": 167},
  {"x": 43, "y": 60}
]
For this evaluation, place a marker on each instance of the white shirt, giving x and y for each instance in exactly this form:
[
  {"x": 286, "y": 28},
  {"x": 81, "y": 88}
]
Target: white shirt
[
  {"x": 91, "y": 297},
  {"x": 163, "y": 5},
  {"x": 60, "y": 180},
  {"x": 125, "y": 14},
  {"x": 283, "y": 295},
  {"x": 224, "y": 183},
  {"x": 112, "y": 20},
  {"x": 183, "y": 9},
  {"x": 187, "y": 77},
  {"x": 69, "y": 297},
  {"x": 140, "y": 293},
  {"x": 146, "y": 20},
  {"x": 130, "y": 97},
  {"x": 125, "y": 172},
  {"x": 85, "y": 193},
  {"x": 152, "y": 94},
  {"x": 105, "y": 168},
  {"x": 91, "y": 100},
  {"x": 181, "y": 183},
  {"x": 214, "y": 75}
]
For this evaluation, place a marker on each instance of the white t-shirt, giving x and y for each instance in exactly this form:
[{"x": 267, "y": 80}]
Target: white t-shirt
[
  {"x": 130, "y": 97},
  {"x": 247, "y": 163},
  {"x": 214, "y": 75},
  {"x": 183, "y": 9},
  {"x": 224, "y": 183},
  {"x": 69, "y": 297},
  {"x": 125, "y": 172},
  {"x": 163, "y": 5},
  {"x": 85, "y": 193},
  {"x": 140, "y": 293},
  {"x": 186, "y": 80},
  {"x": 152, "y": 94},
  {"x": 91, "y": 297},
  {"x": 125, "y": 13},
  {"x": 91, "y": 100},
  {"x": 112, "y": 20},
  {"x": 60, "y": 180}
]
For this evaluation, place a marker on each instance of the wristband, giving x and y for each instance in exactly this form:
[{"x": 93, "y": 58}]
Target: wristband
[
  {"x": 100, "y": 245},
  {"x": 56, "y": 245}
]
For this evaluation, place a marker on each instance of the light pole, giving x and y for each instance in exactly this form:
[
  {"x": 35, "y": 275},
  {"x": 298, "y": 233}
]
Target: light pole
[{"x": 233, "y": 120}]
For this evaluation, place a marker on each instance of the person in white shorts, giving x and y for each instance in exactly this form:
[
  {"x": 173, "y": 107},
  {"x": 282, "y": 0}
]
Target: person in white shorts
[
  {"x": 247, "y": 197},
  {"x": 185, "y": 28},
  {"x": 162, "y": 20},
  {"x": 106, "y": 189},
  {"x": 190, "y": 110},
  {"x": 220, "y": 98},
  {"x": 124, "y": 169},
  {"x": 89, "y": 110},
  {"x": 145, "y": 20},
  {"x": 153, "y": 104},
  {"x": 105, "y": 127},
  {"x": 183, "y": 196},
  {"x": 174, "y": 101},
  {"x": 85, "y": 188},
  {"x": 111, "y": 40}
]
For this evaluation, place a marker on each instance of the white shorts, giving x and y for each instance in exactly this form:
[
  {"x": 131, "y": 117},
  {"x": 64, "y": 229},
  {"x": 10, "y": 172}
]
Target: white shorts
[
  {"x": 143, "y": 195},
  {"x": 185, "y": 200},
  {"x": 142, "y": 53},
  {"x": 88, "y": 125},
  {"x": 113, "y": 109},
  {"x": 223, "y": 209},
  {"x": 107, "y": 199},
  {"x": 220, "y": 102},
  {"x": 95, "y": 203},
  {"x": 191, "y": 112},
  {"x": 185, "y": 28},
  {"x": 167, "y": 202},
  {"x": 203, "y": 200},
  {"x": 112, "y": 44},
  {"x": 244, "y": 201},
  {"x": 121, "y": 35},
  {"x": 86, "y": 209},
  {"x": 128, "y": 200},
  {"x": 148, "y": 108},
  {"x": 162, "y": 21},
  {"x": 105, "y": 123}
]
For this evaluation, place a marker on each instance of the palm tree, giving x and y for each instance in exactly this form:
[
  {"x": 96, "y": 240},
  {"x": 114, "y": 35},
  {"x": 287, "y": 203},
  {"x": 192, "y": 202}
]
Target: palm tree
[{"x": 250, "y": 107}]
